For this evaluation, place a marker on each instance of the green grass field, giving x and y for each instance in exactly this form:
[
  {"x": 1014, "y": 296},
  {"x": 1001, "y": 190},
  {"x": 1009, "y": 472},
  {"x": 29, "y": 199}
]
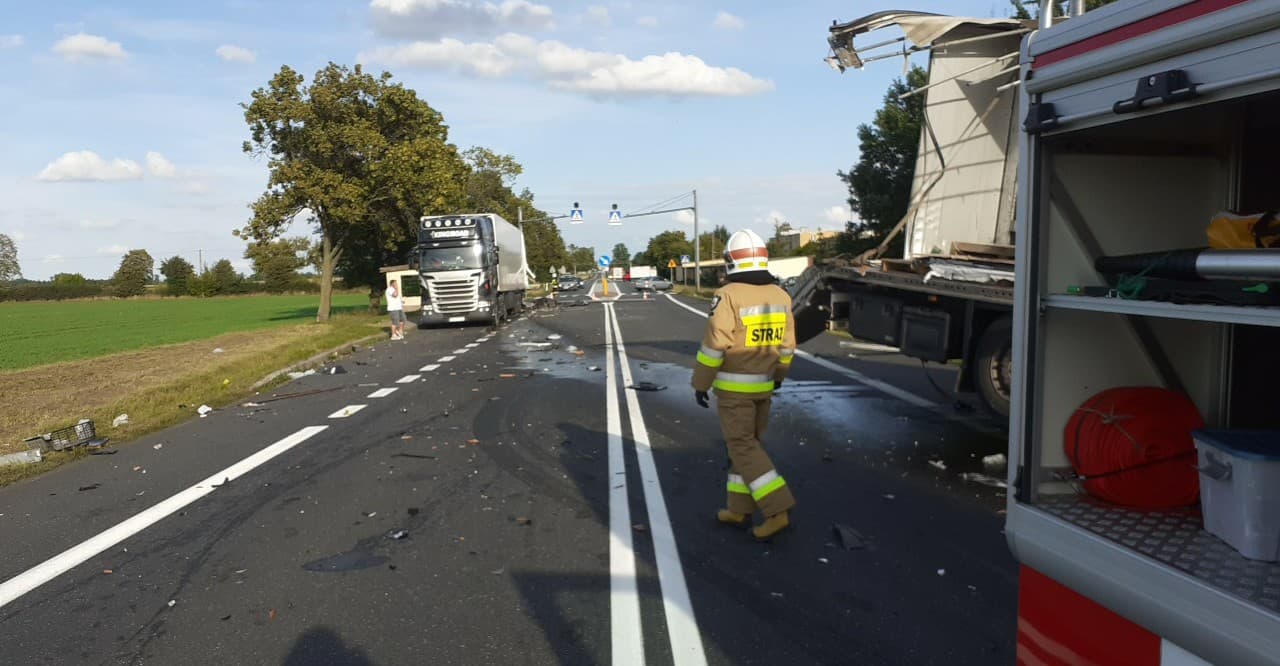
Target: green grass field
[{"x": 47, "y": 332}]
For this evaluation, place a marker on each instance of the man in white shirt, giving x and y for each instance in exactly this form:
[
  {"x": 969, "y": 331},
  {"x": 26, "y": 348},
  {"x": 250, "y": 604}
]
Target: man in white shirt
[{"x": 395, "y": 308}]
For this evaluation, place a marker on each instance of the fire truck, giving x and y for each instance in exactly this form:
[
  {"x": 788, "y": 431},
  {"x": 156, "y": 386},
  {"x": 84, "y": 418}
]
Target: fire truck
[{"x": 1140, "y": 122}]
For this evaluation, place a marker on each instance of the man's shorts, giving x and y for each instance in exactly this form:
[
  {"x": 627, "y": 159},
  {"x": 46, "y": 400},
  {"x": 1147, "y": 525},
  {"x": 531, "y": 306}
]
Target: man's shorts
[{"x": 397, "y": 316}]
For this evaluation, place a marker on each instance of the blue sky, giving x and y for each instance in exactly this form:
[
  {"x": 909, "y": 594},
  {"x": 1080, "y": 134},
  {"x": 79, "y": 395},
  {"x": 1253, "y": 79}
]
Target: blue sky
[{"x": 122, "y": 127}]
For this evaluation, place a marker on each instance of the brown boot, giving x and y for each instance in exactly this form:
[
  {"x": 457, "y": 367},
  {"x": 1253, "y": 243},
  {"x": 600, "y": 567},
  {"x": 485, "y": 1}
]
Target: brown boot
[
  {"x": 735, "y": 519},
  {"x": 771, "y": 526}
]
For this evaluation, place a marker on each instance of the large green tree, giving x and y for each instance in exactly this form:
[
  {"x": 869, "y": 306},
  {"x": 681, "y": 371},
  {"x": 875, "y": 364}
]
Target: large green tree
[
  {"x": 358, "y": 156},
  {"x": 68, "y": 280},
  {"x": 225, "y": 279},
  {"x": 277, "y": 262},
  {"x": 9, "y": 268},
  {"x": 490, "y": 180},
  {"x": 580, "y": 258},
  {"x": 712, "y": 242},
  {"x": 177, "y": 274},
  {"x": 137, "y": 268},
  {"x": 666, "y": 246},
  {"x": 880, "y": 183},
  {"x": 620, "y": 256}
]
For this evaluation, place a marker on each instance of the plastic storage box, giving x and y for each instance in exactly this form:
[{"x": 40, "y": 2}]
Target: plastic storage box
[{"x": 1240, "y": 489}]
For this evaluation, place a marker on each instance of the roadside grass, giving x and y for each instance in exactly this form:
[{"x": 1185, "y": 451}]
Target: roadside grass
[
  {"x": 157, "y": 387},
  {"x": 705, "y": 294},
  {"x": 39, "y": 333}
]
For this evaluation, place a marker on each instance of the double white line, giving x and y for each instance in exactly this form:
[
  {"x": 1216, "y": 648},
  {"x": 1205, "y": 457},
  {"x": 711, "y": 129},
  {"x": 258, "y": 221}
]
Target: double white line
[{"x": 682, "y": 628}]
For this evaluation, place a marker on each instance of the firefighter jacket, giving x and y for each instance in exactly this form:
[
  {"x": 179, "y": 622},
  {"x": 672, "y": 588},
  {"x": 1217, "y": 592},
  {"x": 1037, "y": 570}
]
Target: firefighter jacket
[{"x": 750, "y": 340}]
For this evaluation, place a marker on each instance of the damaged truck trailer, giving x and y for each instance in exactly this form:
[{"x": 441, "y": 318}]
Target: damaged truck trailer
[{"x": 949, "y": 296}]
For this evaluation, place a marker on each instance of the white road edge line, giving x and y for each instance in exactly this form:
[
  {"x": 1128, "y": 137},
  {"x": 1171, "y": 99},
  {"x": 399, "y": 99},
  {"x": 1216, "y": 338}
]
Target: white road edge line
[
  {"x": 408, "y": 379},
  {"x": 889, "y": 389},
  {"x": 383, "y": 392},
  {"x": 429, "y": 368},
  {"x": 445, "y": 359},
  {"x": 472, "y": 345},
  {"x": 16, "y": 587},
  {"x": 682, "y": 626},
  {"x": 627, "y": 645},
  {"x": 346, "y": 411}
]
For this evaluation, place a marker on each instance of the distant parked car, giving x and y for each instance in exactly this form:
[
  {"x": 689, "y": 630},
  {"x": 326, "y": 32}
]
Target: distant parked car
[
  {"x": 569, "y": 283},
  {"x": 653, "y": 284}
]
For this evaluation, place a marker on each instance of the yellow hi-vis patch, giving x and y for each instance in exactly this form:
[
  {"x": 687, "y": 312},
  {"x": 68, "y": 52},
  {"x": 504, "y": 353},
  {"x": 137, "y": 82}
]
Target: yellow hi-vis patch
[{"x": 765, "y": 330}]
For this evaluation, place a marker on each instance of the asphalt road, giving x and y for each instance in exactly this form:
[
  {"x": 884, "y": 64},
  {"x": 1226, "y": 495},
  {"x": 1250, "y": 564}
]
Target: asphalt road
[{"x": 542, "y": 518}]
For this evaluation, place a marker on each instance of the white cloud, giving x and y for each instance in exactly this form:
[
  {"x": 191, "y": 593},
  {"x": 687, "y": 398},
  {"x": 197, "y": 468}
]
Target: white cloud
[
  {"x": 572, "y": 69},
  {"x": 11, "y": 41},
  {"x": 647, "y": 22},
  {"x": 52, "y": 258},
  {"x": 436, "y": 18},
  {"x": 99, "y": 224},
  {"x": 599, "y": 15},
  {"x": 84, "y": 47},
  {"x": 727, "y": 21},
  {"x": 836, "y": 214},
  {"x": 160, "y": 167},
  {"x": 113, "y": 249},
  {"x": 233, "y": 53},
  {"x": 193, "y": 187},
  {"x": 477, "y": 58},
  {"x": 86, "y": 165},
  {"x": 17, "y": 235}
]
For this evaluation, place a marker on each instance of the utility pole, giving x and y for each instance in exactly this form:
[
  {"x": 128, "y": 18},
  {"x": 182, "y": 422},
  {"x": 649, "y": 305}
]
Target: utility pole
[
  {"x": 697, "y": 249},
  {"x": 200, "y": 254}
]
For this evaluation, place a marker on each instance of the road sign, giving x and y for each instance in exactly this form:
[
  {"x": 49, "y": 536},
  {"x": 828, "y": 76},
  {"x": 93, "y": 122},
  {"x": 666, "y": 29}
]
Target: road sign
[
  {"x": 575, "y": 216},
  {"x": 615, "y": 217},
  {"x": 671, "y": 263},
  {"x": 604, "y": 261},
  {"x": 684, "y": 259}
]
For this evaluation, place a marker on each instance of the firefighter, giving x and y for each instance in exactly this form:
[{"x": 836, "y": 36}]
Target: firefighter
[{"x": 746, "y": 351}]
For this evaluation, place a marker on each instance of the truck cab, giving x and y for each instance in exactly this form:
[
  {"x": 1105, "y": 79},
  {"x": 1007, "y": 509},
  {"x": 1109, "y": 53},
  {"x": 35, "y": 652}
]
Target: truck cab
[{"x": 472, "y": 268}]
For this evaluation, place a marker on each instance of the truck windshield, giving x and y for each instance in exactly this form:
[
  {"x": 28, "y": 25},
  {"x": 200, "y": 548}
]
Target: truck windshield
[{"x": 451, "y": 258}]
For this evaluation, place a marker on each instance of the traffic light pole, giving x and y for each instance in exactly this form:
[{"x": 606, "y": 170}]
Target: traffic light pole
[{"x": 697, "y": 248}]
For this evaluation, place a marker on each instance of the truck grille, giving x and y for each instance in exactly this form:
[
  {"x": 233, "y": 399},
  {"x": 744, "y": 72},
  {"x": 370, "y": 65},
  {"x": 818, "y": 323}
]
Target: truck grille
[{"x": 454, "y": 296}]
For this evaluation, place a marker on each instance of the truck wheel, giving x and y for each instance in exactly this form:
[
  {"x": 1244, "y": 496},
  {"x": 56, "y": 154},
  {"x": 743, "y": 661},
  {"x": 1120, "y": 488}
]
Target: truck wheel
[{"x": 993, "y": 366}]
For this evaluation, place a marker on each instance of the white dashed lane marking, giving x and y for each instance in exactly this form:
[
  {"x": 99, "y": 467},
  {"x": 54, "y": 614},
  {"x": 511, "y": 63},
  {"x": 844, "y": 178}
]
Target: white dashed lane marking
[
  {"x": 383, "y": 392},
  {"x": 461, "y": 351},
  {"x": 473, "y": 345},
  {"x": 446, "y": 359},
  {"x": 346, "y": 411},
  {"x": 429, "y": 368},
  {"x": 408, "y": 379}
]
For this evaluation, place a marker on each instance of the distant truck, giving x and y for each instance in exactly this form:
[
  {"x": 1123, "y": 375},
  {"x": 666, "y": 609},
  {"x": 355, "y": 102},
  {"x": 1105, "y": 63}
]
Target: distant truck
[
  {"x": 641, "y": 272},
  {"x": 473, "y": 268},
  {"x": 949, "y": 296}
]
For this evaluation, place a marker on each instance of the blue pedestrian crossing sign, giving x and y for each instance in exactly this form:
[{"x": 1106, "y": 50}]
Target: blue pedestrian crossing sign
[
  {"x": 604, "y": 261},
  {"x": 684, "y": 259},
  {"x": 615, "y": 217},
  {"x": 575, "y": 216}
]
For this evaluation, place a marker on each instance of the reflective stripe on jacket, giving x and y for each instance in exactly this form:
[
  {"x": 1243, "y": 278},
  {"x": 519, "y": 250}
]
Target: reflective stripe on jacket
[{"x": 749, "y": 342}]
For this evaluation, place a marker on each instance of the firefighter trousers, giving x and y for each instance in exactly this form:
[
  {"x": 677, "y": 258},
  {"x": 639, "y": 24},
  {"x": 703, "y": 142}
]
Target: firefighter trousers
[{"x": 753, "y": 482}]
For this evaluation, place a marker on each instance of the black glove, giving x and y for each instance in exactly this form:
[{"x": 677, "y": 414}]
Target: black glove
[
  {"x": 777, "y": 384},
  {"x": 701, "y": 398}
]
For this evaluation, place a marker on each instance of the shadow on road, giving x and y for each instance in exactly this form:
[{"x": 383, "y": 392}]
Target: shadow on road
[{"x": 322, "y": 646}]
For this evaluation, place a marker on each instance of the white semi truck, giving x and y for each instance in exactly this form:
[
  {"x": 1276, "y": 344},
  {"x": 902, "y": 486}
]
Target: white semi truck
[
  {"x": 950, "y": 294},
  {"x": 473, "y": 268}
]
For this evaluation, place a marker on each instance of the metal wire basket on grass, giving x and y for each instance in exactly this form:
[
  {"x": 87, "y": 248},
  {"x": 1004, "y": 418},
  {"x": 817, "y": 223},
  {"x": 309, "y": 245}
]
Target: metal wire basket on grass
[{"x": 70, "y": 437}]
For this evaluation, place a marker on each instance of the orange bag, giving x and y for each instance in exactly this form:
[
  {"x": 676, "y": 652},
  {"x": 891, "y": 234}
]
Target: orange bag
[{"x": 1229, "y": 231}]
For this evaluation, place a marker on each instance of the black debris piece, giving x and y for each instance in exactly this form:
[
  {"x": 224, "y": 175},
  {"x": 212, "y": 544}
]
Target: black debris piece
[
  {"x": 92, "y": 486},
  {"x": 336, "y": 370},
  {"x": 422, "y": 456},
  {"x": 849, "y": 538},
  {"x": 647, "y": 386}
]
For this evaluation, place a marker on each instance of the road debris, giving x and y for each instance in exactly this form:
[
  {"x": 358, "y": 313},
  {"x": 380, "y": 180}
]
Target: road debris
[
  {"x": 942, "y": 572},
  {"x": 776, "y": 595},
  {"x": 593, "y": 368},
  {"x": 158, "y": 446},
  {"x": 204, "y": 410},
  {"x": 120, "y": 420},
  {"x": 507, "y": 375},
  {"x": 107, "y": 572},
  {"x": 226, "y": 481},
  {"x": 640, "y": 528},
  {"x": 524, "y": 521},
  {"x": 850, "y": 539},
  {"x": 995, "y": 460},
  {"x": 421, "y": 456},
  {"x": 300, "y": 375},
  {"x": 938, "y": 464},
  {"x": 975, "y": 477},
  {"x": 647, "y": 386},
  {"x": 224, "y": 618},
  {"x": 397, "y": 534},
  {"x": 173, "y": 602},
  {"x": 499, "y": 572},
  {"x": 22, "y": 458},
  {"x": 218, "y": 350},
  {"x": 336, "y": 370},
  {"x": 473, "y": 442},
  {"x": 824, "y": 560},
  {"x": 286, "y": 396},
  {"x": 92, "y": 486},
  {"x": 889, "y": 496}
]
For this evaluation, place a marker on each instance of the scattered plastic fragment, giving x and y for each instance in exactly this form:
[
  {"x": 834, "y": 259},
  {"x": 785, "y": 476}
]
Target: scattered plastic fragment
[
  {"x": 776, "y": 595},
  {"x": 593, "y": 368},
  {"x": 498, "y": 572},
  {"x": 850, "y": 539},
  {"x": 647, "y": 386},
  {"x": 889, "y": 496},
  {"x": 640, "y": 528},
  {"x": 507, "y": 375},
  {"x": 172, "y": 603},
  {"x": 524, "y": 521},
  {"x": 217, "y": 350},
  {"x": 336, "y": 370},
  {"x": 224, "y": 618},
  {"x": 994, "y": 460},
  {"x": 473, "y": 442},
  {"x": 397, "y": 534},
  {"x": 554, "y": 336},
  {"x": 158, "y": 446},
  {"x": 203, "y": 410},
  {"x": 120, "y": 420},
  {"x": 107, "y": 572},
  {"x": 824, "y": 560},
  {"x": 985, "y": 480},
  {"x": 299, "y": 375},
  {"x": 938, "y": 464},
  {"x": 942, "y": 572},
  {"x": 92, "y": 486}
]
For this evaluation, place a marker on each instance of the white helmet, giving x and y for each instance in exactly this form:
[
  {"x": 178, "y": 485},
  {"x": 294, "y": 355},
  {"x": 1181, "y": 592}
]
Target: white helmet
[{"x": 745, "y": 251}]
